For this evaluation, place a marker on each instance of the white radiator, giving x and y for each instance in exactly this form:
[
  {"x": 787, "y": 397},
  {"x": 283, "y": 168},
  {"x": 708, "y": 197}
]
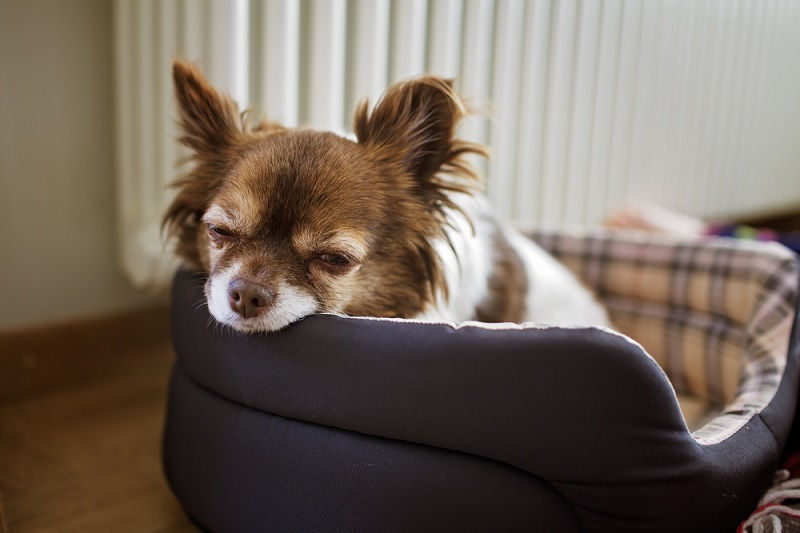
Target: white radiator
[{"x": 692, "y": 104}]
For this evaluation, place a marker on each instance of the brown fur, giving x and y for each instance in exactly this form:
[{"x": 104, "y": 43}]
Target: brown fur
[
  {"x": 508, "y": 285},
  {"x": 288, "y": 193}
]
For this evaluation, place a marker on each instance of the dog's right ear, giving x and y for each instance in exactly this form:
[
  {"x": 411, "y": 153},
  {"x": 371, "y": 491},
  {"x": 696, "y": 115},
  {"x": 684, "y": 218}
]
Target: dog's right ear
[
  {"x": 210, "y": 121},
  {"x": 212, "y": 128}
]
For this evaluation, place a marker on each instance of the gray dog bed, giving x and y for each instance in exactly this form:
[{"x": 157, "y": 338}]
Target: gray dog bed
[{"x": 369, "y": 425}]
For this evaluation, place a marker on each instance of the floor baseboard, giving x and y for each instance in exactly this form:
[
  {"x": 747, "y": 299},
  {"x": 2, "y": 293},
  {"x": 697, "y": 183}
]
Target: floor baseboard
[{"x": 40, "y": 358}]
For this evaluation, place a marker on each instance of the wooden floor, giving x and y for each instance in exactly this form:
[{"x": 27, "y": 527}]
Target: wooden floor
[{"x": 81, "y": 413}]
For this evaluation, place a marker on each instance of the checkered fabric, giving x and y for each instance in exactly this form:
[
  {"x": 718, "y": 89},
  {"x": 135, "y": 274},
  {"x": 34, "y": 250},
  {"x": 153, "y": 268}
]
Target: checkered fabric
[{"x": 716, "y": 314}]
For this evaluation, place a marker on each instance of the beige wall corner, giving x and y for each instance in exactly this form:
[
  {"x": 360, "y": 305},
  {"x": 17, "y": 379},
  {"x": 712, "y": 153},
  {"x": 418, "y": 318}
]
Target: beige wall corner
[{"x": 58, "y": 258}]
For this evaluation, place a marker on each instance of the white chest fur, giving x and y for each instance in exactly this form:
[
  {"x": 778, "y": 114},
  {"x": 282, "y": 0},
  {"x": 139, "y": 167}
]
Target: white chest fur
[{"x": 554, "y": 295}]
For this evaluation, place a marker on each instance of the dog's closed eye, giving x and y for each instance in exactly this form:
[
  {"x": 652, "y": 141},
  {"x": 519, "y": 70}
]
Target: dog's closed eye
[
  {"x": 219, "y": 235},
  {"x": 335, "y": 263},
  {"x": 335, "y": 259}
]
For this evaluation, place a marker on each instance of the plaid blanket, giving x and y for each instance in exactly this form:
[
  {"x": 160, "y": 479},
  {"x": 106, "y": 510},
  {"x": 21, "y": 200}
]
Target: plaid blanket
[
  {"x": 779, "y": 509},
  {"x": 716, "y": 314}
]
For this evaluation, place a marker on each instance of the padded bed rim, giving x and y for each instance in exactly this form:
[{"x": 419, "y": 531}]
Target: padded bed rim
[{"x": 626, "y": 454}]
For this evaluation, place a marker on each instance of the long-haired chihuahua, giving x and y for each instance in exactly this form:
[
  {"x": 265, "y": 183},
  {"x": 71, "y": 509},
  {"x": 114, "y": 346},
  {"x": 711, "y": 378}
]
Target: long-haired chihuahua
[{"x": 289, "y": 222}]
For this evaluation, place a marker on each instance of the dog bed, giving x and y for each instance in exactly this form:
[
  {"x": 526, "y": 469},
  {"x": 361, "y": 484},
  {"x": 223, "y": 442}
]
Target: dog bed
[{"x": 368, "y": 425}]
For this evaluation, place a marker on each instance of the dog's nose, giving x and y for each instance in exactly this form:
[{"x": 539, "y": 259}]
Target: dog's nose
[{"x": 248, "y": 298}]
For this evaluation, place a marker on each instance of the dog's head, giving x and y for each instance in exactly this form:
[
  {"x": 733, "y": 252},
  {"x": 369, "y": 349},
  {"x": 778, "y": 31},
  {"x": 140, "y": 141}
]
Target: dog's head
[{"x": 289, "y": 222}]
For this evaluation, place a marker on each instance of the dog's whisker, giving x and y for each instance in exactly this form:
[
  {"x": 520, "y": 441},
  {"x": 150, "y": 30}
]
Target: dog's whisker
[{"x": 200, "y": 304}]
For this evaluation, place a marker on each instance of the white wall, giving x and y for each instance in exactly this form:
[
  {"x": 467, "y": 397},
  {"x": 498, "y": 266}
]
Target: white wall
[
  {"x": 58, "y": 255},
  {"x": 691, "y": 105}
]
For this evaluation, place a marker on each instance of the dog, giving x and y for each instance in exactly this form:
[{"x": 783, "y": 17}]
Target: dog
[{"x": 290, "y": 222}]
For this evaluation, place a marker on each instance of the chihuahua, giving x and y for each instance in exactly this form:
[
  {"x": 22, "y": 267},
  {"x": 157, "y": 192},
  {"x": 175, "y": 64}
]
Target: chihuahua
[{"x": 288, "y": 222}]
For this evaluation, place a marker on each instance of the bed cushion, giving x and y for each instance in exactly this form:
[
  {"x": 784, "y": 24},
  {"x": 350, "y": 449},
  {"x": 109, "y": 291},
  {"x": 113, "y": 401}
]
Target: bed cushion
[
  {"x": 357, "y": 424},
  {"x": 716, "y": 314}
]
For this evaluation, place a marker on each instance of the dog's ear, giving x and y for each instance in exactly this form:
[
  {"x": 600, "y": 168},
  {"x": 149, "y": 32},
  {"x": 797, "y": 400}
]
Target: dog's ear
[
  {"x": 212, "y": 128},
  {"x": 416, "y": 121},
  {"x": 210, "y": 121}
]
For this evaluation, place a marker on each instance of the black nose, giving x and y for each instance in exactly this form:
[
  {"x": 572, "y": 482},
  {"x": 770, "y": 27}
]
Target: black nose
[{"x": 248, "y": 298}]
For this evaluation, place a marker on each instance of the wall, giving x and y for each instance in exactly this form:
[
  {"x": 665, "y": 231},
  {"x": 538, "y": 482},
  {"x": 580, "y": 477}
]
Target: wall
[
  {"x": 690, "y": 105},
  {"x": 57, "y": 216}
]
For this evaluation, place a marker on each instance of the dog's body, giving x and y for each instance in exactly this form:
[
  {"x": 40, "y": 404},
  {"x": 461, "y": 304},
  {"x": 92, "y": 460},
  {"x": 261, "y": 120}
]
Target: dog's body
[
  {"x": 290, "y": 222},
  {"x": 507, "y": 277}
]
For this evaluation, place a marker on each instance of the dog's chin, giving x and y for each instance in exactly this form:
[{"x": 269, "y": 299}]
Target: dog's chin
[
  {"x": 260, "y": 324},
  {"x": 290, "y": 305}
]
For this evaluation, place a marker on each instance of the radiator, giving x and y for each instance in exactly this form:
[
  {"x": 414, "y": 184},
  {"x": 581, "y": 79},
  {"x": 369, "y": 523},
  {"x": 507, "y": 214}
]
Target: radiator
[{"x": 693, "y": 104}]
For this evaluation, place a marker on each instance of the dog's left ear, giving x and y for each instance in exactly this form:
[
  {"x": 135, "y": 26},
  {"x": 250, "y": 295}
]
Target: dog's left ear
[{"x": 416, "y": 121}]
